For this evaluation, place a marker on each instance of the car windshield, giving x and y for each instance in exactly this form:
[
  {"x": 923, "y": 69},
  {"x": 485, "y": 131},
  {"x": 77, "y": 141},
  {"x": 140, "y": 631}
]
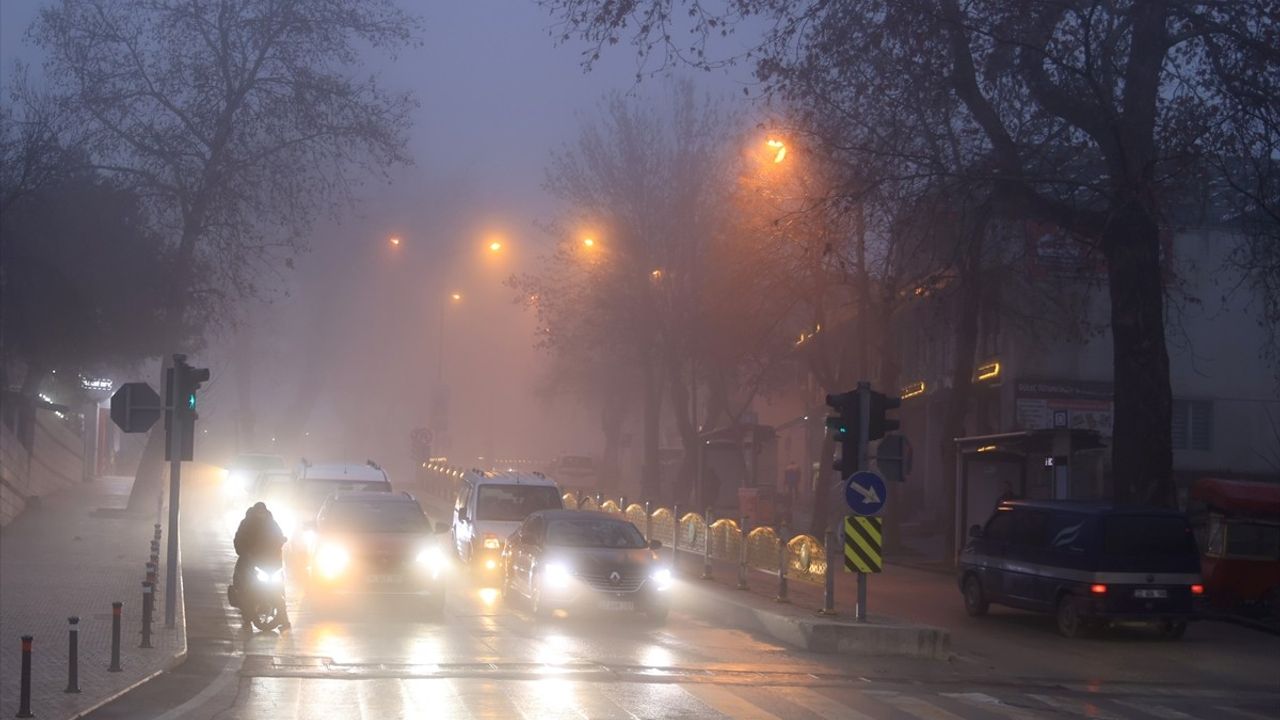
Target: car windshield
[
  {"x": 515, "y": 502},
  {"x": 314, "y": 492},
  {"x": 380, "y": 516},
  {"x": 1147, "y": 535},
  {"x": 594, "y": 532}
]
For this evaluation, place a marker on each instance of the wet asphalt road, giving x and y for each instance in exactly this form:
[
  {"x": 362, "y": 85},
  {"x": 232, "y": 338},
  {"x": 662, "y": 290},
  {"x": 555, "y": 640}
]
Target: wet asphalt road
[{"x": 385, "y": 658}]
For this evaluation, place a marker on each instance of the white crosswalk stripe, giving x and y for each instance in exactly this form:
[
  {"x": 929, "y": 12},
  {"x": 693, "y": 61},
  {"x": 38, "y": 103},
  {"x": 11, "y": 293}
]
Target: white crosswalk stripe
[
  {"x": 916, "y": 707},
  {"x": 1155, "y": 710},
  {"x": 1089, "y": 707},
  {"x": 995, "y": 705},
  {"x": 729, "y": 703},
  {"x": 821, "y": 705}
]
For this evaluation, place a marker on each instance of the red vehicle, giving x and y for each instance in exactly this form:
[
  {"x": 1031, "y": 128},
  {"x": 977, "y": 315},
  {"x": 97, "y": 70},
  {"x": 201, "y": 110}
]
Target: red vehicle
[{"x": 1238, "y": 529}]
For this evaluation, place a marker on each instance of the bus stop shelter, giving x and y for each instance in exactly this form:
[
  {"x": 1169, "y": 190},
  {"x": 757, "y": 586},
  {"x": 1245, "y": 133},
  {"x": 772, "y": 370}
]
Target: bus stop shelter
[{"x": 1015, "y": 454}]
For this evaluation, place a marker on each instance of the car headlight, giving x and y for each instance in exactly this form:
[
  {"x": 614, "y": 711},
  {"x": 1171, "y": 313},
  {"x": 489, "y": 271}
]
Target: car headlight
[
  {"x": 332, "y": 560},
  {"x": 309, "y": 538},
  {"x": 662, "y": 578},
  {"x": 433, "y": 558},
  {"x": 492, "y": 542},
  {"x": 556, "y": 575},
  {"x": 236, "y": 482}
]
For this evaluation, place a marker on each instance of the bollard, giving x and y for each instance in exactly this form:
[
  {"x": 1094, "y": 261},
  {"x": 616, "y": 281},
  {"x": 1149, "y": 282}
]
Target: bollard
[
  {"x": 706, "y": 548},
  {"x": 648, "y": 522},
  {"x": 829, "y": 592},
  {"x": 157, "y": 532},
  {"x": 148, "y": 606},
  {"x": 73, "y": 655},
  {"x": 675, "y": 537},
  {"x": 742, "y": 555},
  {"x": 782, "y": 566},
  {"x": 153, "y": 570},
  {"x": 24, "y": 691},
  {"x": 116, "y": 612}
]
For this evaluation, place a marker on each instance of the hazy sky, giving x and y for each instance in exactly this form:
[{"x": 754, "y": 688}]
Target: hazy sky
[{"x": 497, "y": 96}]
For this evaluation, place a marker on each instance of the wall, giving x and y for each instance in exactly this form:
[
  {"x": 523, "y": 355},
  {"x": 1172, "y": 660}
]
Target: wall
[{"x": 52, "y": 463}]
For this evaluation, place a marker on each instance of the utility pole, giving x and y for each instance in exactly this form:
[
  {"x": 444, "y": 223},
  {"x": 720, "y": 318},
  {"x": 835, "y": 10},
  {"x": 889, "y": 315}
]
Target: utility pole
[
  {"x": 864, "y": 462},
  {"x": 174, "y": 438}
]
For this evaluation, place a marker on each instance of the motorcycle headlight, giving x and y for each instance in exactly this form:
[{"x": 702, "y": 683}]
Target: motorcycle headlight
[
  {"x": 662, "y": 578},
  {"x": 556, "y": 575},
  {"x": 272, "y": 577},
  {"x": 433, "y": 558},
  {"x": 332, "y": 560}
]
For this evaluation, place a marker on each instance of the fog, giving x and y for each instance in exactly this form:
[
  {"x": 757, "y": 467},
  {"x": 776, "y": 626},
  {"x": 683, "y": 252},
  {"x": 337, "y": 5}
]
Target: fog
[{"x": 496, "y": 97}]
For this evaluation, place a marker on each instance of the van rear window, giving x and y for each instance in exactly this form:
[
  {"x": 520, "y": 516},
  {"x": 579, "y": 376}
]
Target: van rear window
[{"x": 1147, "y": 535}]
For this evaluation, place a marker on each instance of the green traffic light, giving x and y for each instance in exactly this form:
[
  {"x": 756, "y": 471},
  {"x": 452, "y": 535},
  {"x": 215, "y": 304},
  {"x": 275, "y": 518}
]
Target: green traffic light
[{"x": 191, "y": 401}]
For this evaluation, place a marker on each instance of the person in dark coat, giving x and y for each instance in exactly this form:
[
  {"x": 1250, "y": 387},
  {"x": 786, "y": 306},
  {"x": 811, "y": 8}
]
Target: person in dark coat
[{"x": 258, "y": 541}]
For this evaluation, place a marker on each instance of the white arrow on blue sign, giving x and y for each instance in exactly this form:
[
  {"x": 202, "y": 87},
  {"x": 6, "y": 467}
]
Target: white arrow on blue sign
[{"x": 865, "y": 492}]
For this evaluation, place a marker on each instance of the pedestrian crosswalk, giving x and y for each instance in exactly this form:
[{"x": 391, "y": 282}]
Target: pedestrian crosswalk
[{"x": 552, "y": 698}]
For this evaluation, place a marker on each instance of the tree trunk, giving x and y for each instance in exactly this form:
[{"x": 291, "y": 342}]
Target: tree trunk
[
  {"x": 1142, "y": 443},
  {"x": 965, "y": 342},
  {"x": 246, "y": 432},
  {"x": 650, "y": 482},
  {"x": 611, "y": 418},
  {"x": 148, "y": 480}
]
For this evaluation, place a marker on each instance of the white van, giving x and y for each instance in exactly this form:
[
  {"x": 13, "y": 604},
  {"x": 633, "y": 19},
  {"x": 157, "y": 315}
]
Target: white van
[{"x": 490, "y": 506}]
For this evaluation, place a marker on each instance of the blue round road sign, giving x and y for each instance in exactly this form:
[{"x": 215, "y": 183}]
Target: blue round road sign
[{"x": 865, "y": 492}]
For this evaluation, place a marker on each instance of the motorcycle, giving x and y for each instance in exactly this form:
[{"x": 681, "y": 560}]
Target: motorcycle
[{"x": 262, "y": 601}]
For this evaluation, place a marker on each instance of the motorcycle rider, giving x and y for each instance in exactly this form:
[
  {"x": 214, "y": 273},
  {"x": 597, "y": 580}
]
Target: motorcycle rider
[{"x": 258, "y": 541}]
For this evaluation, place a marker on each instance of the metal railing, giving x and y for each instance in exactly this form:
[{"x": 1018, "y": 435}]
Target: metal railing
[{"x": 766, "y": 545}]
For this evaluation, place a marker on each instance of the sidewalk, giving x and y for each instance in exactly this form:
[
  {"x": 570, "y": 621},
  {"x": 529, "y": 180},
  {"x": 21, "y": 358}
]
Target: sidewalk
[{"x": 75, "y": 555}]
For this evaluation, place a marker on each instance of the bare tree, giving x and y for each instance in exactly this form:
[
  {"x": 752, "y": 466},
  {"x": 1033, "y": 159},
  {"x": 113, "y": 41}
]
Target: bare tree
[
  {"x": 1090, "y": 113},
  {"x": 241, "y": 121}
]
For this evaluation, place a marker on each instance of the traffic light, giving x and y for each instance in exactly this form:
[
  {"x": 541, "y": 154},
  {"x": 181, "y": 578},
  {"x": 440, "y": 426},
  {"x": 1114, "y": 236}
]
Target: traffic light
[
  {"x": 844, "y": 430},
  {"x": 878, "y": 425},
  {"x": 182, "y": 385}
]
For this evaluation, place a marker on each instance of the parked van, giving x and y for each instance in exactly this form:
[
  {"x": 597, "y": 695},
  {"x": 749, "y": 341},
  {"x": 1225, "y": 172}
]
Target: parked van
[
  {"x": 490, "y": 506},
  {"x": 1090, "y": 564}
]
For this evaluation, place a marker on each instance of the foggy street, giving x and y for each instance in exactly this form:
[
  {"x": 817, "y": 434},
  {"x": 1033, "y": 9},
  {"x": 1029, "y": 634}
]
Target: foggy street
[
  {"x": 725, "y": 359},
  {"x": 489, "y": 658}
]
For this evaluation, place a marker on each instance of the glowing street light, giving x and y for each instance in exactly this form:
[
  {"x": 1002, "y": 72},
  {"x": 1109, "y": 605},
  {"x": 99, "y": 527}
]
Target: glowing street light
[
  {"x": 589, "y": 242},
  {"x": 457, "y": 296},
  {"x": 779, "y": 149},
  {"x": 656, "y": 274},
  {"x": 495, "y": 246},
  {"x": 394, "y": 240}
]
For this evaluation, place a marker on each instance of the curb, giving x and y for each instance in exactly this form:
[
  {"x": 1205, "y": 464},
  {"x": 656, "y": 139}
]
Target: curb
[{"x": 815, "y": 633}]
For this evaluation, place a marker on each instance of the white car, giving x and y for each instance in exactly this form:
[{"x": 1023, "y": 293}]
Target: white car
[{"x": 490, "y": 506}]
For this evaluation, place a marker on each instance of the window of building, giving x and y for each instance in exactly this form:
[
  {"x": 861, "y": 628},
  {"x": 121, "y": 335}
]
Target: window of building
[{"x": 1192, "y": 425}]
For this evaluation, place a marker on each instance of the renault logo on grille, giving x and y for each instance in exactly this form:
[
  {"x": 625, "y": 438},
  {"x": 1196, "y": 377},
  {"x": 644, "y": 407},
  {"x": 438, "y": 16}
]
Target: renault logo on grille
[{"x": 615, "y": 578}]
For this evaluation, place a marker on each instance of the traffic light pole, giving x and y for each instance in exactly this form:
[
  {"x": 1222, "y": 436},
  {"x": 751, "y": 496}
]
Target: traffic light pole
[
  {"x": 864, "y": 463},
  {"x": 177, "y": 418}
]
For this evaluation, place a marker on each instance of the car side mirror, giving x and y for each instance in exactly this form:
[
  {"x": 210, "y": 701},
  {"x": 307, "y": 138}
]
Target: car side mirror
[
  {"x": 655, "y": 545},
  {"x": 975, "y": 531}
]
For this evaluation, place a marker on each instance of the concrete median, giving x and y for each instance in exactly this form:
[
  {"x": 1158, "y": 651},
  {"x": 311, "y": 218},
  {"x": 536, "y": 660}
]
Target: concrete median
[{"x": 805, "y": 629}]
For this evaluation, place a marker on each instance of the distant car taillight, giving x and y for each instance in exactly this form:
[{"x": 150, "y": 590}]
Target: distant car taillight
[
  {"x": 1098, "y": 589},
  {"x": 1197, "y": 589}
]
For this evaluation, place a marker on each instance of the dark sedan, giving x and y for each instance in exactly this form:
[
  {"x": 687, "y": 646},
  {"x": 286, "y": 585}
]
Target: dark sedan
[{"x": 567, "y": 559}]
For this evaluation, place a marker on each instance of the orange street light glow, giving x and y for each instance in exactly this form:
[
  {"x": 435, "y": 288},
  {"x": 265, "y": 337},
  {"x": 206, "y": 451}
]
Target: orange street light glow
[
  {"x": 495, "y": 246},
  {"x": 589, "y": 242},
  {"x": 780, "y": 149},
  {"x": 656, "y": 274},
  {"x": 395, "y": 239},
  {"x": 456, "y": 296}
]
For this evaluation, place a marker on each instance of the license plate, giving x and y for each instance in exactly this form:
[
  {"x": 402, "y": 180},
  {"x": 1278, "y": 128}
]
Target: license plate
[
  {"x": 384, "y": 579},
  {"x": 1151, "y": 593},
  {"x": 617, "y": 605}
]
